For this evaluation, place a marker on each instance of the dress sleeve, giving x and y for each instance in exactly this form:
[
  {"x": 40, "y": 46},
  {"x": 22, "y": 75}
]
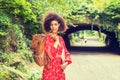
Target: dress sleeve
[
  {"x": 48, "y": 47},
  {"x": 67, "y": 54}
]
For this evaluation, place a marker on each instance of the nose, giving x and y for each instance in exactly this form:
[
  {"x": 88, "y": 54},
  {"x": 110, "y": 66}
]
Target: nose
[{"x": 53, "y": 26}]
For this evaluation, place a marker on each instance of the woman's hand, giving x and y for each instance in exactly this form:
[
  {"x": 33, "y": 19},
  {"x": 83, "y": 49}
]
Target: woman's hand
[{"x": 64, "y": 65}]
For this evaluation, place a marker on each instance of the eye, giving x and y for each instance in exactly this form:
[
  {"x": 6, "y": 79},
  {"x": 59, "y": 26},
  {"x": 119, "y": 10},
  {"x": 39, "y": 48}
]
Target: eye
[
  {"x": 51, "y": 24},
  {"x": 56, "y": 24}
]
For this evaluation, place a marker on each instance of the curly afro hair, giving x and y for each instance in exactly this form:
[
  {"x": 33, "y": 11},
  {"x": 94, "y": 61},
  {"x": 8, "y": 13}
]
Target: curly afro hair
[{"x": 50, "y": 16}]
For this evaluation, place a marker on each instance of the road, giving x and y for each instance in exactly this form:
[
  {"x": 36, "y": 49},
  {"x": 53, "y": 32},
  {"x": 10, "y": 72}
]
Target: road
[
  {"x": 89, "y": 42},
  {"x": 93, "y": 65}
]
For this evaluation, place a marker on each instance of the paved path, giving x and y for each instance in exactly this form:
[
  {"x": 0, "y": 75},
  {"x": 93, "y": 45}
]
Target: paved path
[
  {"x": 89, "y": 42},
  {"x": 93, "y": 66}
]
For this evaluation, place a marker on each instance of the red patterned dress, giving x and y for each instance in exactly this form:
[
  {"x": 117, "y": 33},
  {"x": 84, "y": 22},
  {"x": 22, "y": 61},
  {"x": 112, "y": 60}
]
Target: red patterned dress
[{"x": 54, "y": 71}]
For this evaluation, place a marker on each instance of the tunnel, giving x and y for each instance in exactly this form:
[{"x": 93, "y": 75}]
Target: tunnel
[{"x": 110, "y": 41}]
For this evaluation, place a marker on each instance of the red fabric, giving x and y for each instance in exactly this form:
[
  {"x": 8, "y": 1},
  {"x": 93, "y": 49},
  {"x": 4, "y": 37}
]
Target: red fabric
[{"x": 53, "y": 71}]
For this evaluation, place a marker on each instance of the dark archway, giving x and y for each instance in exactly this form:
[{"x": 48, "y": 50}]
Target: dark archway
[{"x": 111, "y": 40}]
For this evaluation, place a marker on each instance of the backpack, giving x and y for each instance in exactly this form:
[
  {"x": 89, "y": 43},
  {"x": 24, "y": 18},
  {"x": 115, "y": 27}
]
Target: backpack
[{"x": 37, "y": 47}]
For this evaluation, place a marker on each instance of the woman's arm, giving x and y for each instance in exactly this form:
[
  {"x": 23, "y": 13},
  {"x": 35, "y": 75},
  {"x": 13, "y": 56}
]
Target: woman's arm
[
  {"x": 67, "y": 60},
  {"x": 67, "y": 54}
]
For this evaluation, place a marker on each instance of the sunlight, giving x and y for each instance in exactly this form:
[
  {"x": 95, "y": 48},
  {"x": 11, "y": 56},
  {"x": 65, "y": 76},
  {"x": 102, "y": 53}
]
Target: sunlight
[{"x": 87, "y": 38}]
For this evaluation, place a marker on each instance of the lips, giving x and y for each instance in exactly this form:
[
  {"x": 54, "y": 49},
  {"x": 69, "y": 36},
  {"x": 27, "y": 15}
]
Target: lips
[{"x": 54, "y": 29}]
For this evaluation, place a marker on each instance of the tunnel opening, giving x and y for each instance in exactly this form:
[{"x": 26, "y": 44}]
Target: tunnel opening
[
  {"x": 87, "y": 38},
  {"x": 86, "y": 33}
]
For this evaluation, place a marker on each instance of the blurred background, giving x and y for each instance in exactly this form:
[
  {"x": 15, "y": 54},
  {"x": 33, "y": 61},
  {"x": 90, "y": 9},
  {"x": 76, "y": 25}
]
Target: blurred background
[{"x": 92, "y": 23}]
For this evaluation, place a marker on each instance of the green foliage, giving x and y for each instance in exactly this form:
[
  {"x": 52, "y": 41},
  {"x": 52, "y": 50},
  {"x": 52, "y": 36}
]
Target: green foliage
[
  {"x": 31, "y": 27},
  {"x": 35, "y": 77},
  {"x": 76, "y": 37},
  {"x": 19, "y": 8},
  {"x": 19, "y": 69},
  {"x": 13, "y": 76},
  {"x": 5, "y": 20},
  {"x": 6, "y": 33},
  {"x": 22, "y": 68},
  {"x": 6, "y": 59},
  {"x": 4, "y": 74},
  {"x": 20, "y": 37},
  {"x": 22, "y": 42},
  {"x": 8, "y": 41},
  {"x": 113, "y": 12},
  {"x": 8, "y": 75},
  {"x": 101, "y": 12},
  {"x": 21, "y": 12}
]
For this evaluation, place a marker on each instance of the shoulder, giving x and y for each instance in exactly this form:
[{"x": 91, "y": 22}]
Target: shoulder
[{"x": 48, "y": 38}]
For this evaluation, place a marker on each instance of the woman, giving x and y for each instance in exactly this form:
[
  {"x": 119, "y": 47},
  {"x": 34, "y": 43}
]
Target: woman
[{"x": 55, "y": 47}]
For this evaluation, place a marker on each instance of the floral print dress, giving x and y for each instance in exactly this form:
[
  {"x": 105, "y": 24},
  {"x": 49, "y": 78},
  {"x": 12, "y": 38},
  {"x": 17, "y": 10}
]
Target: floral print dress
[{"x": 53, "y": 70}]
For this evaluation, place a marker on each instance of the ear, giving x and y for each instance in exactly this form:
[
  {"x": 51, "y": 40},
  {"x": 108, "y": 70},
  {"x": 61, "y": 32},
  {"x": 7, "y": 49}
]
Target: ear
[{"x": 59, "y": 24}]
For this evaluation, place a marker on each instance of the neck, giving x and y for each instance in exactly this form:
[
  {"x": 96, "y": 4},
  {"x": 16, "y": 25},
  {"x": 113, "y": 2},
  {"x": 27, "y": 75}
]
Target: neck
[
  {"x": 54, "y": 33},
  {"x": 54, "y": 36}
]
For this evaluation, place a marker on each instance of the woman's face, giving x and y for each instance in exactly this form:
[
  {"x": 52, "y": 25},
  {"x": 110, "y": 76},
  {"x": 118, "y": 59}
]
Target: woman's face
[{"x": 54, "y": 26}]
